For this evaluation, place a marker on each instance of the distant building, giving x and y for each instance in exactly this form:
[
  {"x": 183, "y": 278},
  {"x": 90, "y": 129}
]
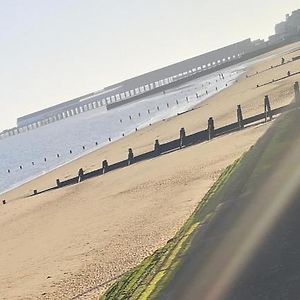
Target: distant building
[{"x": 286, "y": 29}]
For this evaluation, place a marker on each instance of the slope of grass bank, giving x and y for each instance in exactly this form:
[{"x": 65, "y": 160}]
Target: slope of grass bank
[
  {"x": 142, "y": 281},
  {"x": 152, "y": 275}
]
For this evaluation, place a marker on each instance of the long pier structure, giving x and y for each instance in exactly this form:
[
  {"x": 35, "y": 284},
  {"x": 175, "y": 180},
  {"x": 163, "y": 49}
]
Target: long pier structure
[{"x": 150, "y": 83}]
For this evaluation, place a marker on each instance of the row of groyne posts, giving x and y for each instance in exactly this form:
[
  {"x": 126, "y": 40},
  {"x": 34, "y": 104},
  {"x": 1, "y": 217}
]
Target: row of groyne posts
[
  {"x": 283, "y": 62},
  {"x": 131, "y": 118},
  {"x": 183, "y": 141}
]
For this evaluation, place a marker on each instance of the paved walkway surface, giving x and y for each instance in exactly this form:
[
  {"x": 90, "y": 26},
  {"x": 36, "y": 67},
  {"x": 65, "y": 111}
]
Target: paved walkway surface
[{"x": 251, "y": 247}]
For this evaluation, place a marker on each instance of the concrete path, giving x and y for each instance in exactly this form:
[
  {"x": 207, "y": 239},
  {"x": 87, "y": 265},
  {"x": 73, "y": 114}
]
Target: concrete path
[{"x": 251, "y": 247}]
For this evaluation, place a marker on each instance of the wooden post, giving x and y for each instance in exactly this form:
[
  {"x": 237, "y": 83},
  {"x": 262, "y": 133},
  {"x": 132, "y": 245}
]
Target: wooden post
[
  {"x": 35, "y": 192},
  {"x": 157, "y": 148},
  {"x": 104, "y": 166},
  {"x": 210, "y": 128},
  {"x": 297, "y": 92},
  {"x": 57, "y": 182},
  {"x": 182, "y": 136},
  {"x": 268, "y": 110},
  {"x": 130, "y": 157},
  {"x": 80, "y": 175},
  {"x": 240, "y": 117}
]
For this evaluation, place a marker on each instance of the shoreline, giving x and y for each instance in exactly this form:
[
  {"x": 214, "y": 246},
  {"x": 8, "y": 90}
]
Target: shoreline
[
  {"x": 70, "y": 242},
  {"x": 195, "y": 106}
]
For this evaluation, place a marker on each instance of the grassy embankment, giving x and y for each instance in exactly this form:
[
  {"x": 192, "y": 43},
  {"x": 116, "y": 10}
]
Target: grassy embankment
[
  {"x": 140, "y": 282},
  {"x": 146, "y": 280}
]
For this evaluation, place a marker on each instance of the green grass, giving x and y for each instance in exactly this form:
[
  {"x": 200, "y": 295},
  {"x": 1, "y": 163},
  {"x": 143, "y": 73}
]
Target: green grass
[{"x": 146, "y": 280}]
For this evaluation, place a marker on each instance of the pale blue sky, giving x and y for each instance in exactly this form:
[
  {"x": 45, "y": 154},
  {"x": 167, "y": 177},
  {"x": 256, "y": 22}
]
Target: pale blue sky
[{"x": 56, "y": 50}]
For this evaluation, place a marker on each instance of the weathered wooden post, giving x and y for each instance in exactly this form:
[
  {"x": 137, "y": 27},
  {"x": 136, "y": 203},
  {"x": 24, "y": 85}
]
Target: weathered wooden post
[
  {"x": 130, "y": 157},
  {"x": 182, "y": 136},
  {"x": 104, "y": 166},
  {"x": 57, "y": 182},
  {"x": 157, "y": 148},
  {"x": 211, "y": 128},
  {"x": 268, "y": 110},
  {"x": 297, "y": 92},
  {"x": 240, "y": 117},
  {"x": 80, "y": 175}
]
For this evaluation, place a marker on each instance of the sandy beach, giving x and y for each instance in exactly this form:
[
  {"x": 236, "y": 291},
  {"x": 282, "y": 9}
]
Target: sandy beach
[{"x": 72, "y": 243}]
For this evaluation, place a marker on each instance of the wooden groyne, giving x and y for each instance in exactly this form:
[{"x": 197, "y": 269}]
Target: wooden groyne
[
  {"x": 289, "y": 74},
  {"x": 283, "y": 62},
  {"x": 184, "y": 140}
]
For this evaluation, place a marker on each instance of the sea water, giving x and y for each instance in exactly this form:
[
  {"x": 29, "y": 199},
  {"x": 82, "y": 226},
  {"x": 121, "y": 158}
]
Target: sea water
[{"x": 24, "y": 155}]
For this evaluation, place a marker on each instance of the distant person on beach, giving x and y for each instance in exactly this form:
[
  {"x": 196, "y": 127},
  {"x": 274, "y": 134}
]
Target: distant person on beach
[{"x": 282, "y": 60}]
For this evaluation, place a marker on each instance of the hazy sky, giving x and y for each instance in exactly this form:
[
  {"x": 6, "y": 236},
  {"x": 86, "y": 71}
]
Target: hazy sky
[{"x": 56, "y": 50}]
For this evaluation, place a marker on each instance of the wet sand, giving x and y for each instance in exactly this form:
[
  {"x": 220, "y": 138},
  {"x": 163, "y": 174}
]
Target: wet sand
[{"x": 73, "y": 242}]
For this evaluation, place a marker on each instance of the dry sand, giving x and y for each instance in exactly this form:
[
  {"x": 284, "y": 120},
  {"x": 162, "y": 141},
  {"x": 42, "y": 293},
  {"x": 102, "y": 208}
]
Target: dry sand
[{"x": 73, "y": 242}]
